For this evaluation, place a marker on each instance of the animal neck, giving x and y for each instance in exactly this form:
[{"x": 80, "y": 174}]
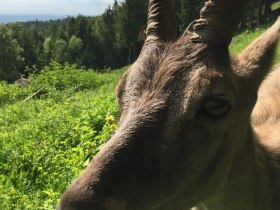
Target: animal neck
[{"x": 249, "y": 182}]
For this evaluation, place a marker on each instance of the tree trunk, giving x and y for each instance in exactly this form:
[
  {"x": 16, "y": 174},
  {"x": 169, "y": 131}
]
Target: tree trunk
[
  {"x": 252, "y": 15},
  {"x": 243, "y": 21},
  {"x": 260, "y": 11},
  {"x": 129, "y": 60},
  {"x": 267, "y": 8}
]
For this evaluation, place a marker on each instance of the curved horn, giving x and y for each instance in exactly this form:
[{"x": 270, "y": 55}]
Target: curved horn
[
  {"x": 218, "y": 21},
  {"x": 161, "y": 23}
]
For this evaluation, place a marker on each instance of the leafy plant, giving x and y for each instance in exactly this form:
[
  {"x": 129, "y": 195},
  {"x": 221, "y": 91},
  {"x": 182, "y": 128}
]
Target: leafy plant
[{"x": 46, "y": 140}]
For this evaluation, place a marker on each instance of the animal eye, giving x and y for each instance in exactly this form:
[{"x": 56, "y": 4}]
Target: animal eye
[{"x": 216, "y": 107}]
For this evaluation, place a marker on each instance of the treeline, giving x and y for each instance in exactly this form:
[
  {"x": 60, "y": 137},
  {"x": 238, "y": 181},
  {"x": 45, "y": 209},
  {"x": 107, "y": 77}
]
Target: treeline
[
  {"x": 110, "y": 40},
  {"x": 259, "y": 11}
]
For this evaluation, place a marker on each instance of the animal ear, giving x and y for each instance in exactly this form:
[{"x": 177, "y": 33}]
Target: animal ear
[{"x": 255, "y": 61}]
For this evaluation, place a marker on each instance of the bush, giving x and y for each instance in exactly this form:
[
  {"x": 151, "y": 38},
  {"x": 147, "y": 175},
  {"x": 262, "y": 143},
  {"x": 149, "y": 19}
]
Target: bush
[
  {"x": 56, "y": 81},
  {"x": 46, "y": 140}
]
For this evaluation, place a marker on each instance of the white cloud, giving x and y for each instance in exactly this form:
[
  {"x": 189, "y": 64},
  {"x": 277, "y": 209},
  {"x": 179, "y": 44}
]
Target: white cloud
[{"x": 58, "y": 7}]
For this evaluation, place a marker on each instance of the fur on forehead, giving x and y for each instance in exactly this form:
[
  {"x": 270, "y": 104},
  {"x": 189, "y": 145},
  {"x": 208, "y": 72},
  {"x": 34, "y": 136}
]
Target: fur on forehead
[{"x": 178, "y": 58}]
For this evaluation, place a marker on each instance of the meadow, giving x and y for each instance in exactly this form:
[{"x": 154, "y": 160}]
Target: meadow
[{"x": 51, "y": 129}]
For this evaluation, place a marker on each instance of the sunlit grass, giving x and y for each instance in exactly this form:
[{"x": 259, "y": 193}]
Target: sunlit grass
[
  {"x": 48, "y": 140},
  {"x": 243, "y": 38},
  {"x": 275, "y": 5}
]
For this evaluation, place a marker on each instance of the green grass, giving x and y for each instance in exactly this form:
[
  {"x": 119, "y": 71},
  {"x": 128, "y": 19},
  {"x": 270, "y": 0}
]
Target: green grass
[
  {"x": 48, "y": 140},
  {"x": 244, "y": 38},
  {"x": 51, "y": 129},
  {"x": 275, "y": 5}
]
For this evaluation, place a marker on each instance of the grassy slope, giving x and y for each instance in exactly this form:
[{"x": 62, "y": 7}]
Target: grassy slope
[
  {"x": 275, "y": 5},
  {"x": 46, "y": 140},
  {"x": 244, "y": 38}
]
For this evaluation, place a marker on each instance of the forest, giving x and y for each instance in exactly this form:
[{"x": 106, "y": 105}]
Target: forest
[{"x": 111, "y": 40}]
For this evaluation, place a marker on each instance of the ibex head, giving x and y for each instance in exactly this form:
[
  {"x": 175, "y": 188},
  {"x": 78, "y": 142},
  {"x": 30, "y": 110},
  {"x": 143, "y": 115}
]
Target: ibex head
[{"x": 185, "y": 109}]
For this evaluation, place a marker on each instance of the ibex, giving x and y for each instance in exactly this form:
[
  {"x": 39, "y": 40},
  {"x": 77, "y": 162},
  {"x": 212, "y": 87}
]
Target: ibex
[{"x": 198, "y": 128}]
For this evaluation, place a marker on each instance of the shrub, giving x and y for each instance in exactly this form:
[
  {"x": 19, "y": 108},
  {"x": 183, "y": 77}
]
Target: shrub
[{"x": 48, "y": 138}]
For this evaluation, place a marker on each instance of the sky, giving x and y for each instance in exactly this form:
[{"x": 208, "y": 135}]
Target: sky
[{"x": 54, "y": 7}]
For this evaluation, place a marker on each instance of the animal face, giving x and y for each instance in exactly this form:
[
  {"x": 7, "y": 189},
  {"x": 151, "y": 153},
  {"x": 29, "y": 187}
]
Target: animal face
[
  {"x": 185, "y": 108},
  {"x": 186, "y": 112}
]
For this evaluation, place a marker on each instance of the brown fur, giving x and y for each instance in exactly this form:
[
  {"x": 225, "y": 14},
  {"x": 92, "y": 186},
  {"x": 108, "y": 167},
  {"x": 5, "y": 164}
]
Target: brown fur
[
  {"x": 267, "y": 110},
  {"x": 187, "y": 137}
]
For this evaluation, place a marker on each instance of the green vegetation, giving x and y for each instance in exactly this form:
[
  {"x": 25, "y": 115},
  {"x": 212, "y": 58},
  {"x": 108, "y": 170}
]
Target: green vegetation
[
  {"x": 245, "y": 37},
  {"x": 9, "y": 54},
  {"x": 275, "y": 5},
  {"x": 51, "y": 129}
]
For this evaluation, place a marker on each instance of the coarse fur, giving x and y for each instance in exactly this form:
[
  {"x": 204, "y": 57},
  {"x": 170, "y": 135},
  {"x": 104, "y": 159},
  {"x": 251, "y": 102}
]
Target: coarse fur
[{"x": 198, "y": 129}]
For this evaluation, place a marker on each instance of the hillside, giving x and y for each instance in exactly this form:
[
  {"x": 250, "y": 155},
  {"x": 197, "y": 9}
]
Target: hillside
[
  {"x": 50, "y": 130},
  {"x": 245, "y": 37}
]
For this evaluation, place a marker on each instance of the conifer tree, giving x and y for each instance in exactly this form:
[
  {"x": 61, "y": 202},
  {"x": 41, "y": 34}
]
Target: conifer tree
[{"x": 10, "y": 54}]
